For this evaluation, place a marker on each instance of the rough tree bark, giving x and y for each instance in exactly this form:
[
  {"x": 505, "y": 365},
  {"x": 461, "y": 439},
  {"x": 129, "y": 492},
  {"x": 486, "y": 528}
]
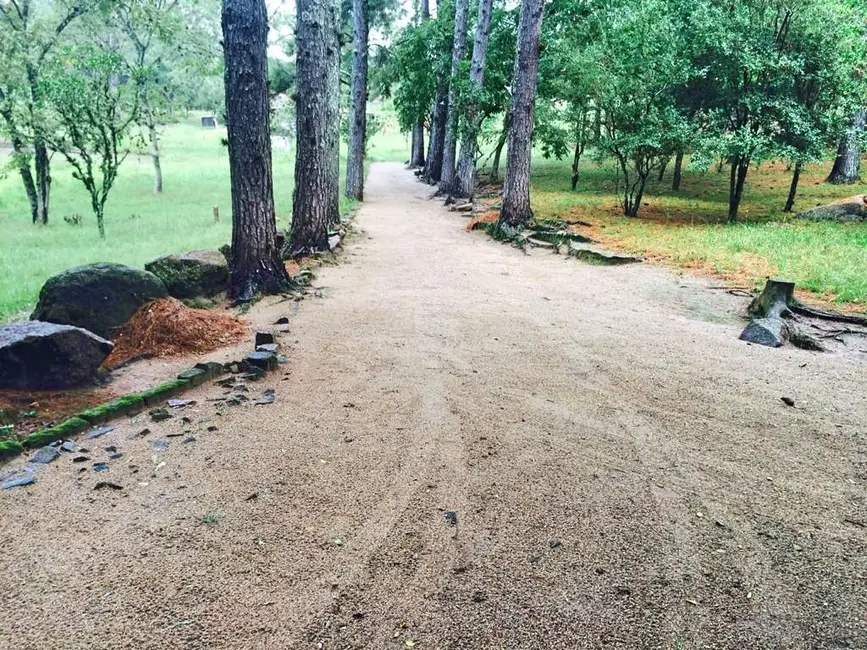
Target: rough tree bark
[
  {"x": 847, "y": 164},
  {"x": 256, "y": 265},
  {"x": 333, "y": 115},
  {"x": 793, "y": 188},
  {"x": 21, "y": 159},
  {"x": 450, "y": 143},
  {"x": 465, "y": 183},
  {"x": 677, "y": 176},
  {"x": 516, "y": 190},
  {"x": 439, "y": 111},
  {"x": 358, "y": 110},
  {"x": 416, "y": 156},
  {"x": 313, "y": 183}
]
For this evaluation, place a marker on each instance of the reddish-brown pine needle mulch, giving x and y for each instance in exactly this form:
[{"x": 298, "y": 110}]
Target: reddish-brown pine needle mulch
[{"x": 167, "y": 327}]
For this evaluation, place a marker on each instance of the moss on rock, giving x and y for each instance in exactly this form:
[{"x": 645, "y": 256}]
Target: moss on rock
[
  {"x": 10, "y": 449},
  {"x": 66, "y": 429},
  {"x": 112, "y": 409},
  {"x": 164, "y": 391}
]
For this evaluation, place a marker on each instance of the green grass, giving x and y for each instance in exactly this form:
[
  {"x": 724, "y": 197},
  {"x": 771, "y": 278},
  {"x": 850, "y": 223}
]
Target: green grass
[
  {"x": 140, "y": 225},
  {"x": 687, "y": 228}
]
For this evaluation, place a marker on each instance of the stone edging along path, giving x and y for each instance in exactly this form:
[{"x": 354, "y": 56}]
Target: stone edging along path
[{"x": 255, "y": 365}]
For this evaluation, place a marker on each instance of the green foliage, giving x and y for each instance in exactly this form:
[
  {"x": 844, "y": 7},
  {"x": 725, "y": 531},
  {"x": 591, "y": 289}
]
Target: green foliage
[{"x": 94, "y": 101}]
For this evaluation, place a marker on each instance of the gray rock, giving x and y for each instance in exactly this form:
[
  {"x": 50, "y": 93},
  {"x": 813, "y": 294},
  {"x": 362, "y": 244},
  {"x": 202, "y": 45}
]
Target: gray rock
[
  {"x": 69, "y": 446},
  {"x": 18, "y": 482},
  {"x": 98, "y": 297},
  {"x": 98, "y": 433},
  {"x": 100, "y": 467},
  {"x": 197, "y": 274},
  {"x": 45, "y": 355},
  {"x": 45, "y": 455},
  {"x": 854, "y": 209},
  {"x": 765, "y": 331},
  {"x": 263, "y": 360},
  {"x": 158, "y": 415}
]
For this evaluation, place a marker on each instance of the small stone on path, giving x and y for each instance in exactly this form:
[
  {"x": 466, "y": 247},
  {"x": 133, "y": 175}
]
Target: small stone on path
[
  {"x": 107, "y": 484},
  {"x": 18, "y": 482},
  {"x": 100, "y": 467},
  {"x": 158, "y": 415},
  {"x": 44, "y": 456},
  {"x": 98, "y": 433}
]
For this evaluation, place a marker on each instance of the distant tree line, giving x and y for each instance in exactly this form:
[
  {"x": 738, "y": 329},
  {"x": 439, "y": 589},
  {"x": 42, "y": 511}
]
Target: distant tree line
[{"x": 642, "y": 83}]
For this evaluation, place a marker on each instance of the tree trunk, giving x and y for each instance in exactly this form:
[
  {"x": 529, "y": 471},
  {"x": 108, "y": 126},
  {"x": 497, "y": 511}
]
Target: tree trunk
[
  {"x": 847, "y": 165},
  {"x": 416, "y": 158},
  {"x": 439, "y": 111},
  {"x": 737, "y": 178},
  {"x": 332, "y": 32},
  {"x": 576, "y": 160},
  {"x": 450, "y": 143},
  {"x": 516, "y": 190},
  {"x": 677, "y": 176},
  {"x": 793, "y": 188},
  {"x": 662, "y": 168},
  {"x": 465, "y": 183},
  {"x": 256, "y": 266},
  {"x": 358, "y": 117},
  {"x": 498, "y": 150},
  {"x": 43, "y": 179},
  {"x": 27, "y": 178},
  {"x": 311, "y": 200},
  {"x": 155, "y": 156}
]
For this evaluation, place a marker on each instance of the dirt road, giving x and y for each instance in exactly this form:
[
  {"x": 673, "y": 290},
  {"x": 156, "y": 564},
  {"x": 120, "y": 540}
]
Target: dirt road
[{"x": 622, "y": 469}]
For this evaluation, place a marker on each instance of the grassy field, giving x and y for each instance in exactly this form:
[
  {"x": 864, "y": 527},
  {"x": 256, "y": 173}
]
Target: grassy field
[
  {"x": 685, "y": 228},
  {"x": 139, "y": 225}
]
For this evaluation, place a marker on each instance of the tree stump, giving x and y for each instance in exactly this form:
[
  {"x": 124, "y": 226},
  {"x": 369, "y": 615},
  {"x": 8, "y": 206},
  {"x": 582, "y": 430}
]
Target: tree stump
[
  {"x": 768, "y": 310},
  {"x": 774, "y": 300}
]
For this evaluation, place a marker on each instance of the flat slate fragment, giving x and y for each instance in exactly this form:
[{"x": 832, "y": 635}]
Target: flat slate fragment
[
  {"x": 44, "y": 455},
  {"x": 18, "y": 482},
  {"x": 98, "y": 433}
]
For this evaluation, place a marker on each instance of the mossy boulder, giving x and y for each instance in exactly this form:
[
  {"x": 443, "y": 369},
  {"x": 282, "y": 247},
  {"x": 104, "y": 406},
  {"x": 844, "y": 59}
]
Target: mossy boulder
[
  {"x": 45, "y": 355},
  {"x": 198, "y": 274},
  {"x": 97, "y": 297}
]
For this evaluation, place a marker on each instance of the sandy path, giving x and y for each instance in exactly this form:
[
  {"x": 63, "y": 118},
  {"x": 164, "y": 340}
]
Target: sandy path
[{"x": 623, "y": 471}]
